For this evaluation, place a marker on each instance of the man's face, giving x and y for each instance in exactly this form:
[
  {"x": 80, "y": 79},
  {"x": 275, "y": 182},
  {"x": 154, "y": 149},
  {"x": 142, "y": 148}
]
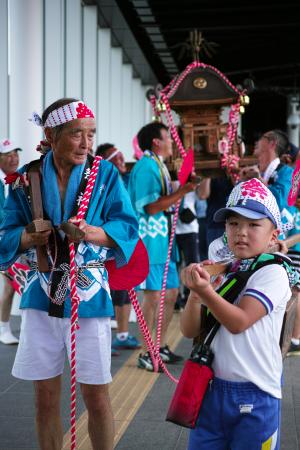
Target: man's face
[
  {"x": 264, "y": 151},
  {"x": 73, "y": 144},
  {"x": 164, "y": 144},
  {"x": 9, "y": 161},
  {"x": 118, "y": 160}
]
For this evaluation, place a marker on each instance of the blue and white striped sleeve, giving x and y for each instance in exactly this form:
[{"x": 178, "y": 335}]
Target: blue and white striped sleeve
[{"x": 270, "y": 286}]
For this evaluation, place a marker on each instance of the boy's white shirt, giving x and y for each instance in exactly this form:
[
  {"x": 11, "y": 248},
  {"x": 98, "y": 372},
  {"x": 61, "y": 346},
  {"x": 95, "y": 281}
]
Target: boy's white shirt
[{"x": 254, "y": 355}]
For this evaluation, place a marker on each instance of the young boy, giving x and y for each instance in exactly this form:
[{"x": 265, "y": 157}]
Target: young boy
[{"x": 241, "y": 410}]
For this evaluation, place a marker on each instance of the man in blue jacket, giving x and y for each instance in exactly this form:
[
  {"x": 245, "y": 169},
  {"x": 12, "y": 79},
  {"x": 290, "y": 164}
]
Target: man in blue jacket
[{"x": 9, "y": 161}]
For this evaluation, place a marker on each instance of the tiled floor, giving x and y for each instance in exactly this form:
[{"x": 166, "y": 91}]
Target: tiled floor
[{"x": 148, "y": 430}]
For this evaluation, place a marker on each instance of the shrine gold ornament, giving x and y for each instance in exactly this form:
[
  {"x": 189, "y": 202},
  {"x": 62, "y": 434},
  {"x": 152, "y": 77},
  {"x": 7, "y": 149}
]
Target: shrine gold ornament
[{"x": 200, "y": 83}]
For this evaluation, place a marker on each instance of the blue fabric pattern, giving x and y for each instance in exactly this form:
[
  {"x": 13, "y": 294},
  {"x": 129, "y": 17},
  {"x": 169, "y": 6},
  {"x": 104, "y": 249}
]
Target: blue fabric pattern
[
  {"x": 145, "y": 187},
  {"x": 109, "y": 208}
]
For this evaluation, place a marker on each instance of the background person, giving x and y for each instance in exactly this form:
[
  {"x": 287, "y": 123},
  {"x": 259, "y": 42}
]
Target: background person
[
  {"x": 9, "y": 162},
  {"x": 152, "y": 196},
  {"x": 120, "y": 299}
]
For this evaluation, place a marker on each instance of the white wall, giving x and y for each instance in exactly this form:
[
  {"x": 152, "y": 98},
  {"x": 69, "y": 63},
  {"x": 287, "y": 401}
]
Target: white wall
[
  {"x": 90, "y": 55},
  {"x": 4, "y": 110},
  {"x": 26, "y": 73},
  {"x": 73, "y": 56},
  {"x": 103, "y": 107},
  {"x": 55, "y": 48}
]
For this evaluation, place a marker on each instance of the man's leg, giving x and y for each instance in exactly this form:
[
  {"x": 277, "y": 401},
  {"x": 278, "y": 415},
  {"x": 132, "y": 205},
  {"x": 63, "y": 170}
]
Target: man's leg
[
  {"x": 149, "y": 307},
  {"x": 48, "y": 420},
  {"x": 122, "y": 314},
  {"x": 6, "y": 336},
  {"x": 295, "y": 343},
  {"x": 170, "y": 299},
  {"x": 6, "y": 301},
  {"x": 100, "y": 417}
]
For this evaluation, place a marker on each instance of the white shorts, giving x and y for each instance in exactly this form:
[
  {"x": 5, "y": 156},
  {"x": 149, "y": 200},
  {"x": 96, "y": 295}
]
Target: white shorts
[{"x": 44, "y": 341}]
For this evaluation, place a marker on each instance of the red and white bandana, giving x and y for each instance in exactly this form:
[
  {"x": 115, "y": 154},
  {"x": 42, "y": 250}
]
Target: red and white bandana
[{"x": 64, "y": 114}]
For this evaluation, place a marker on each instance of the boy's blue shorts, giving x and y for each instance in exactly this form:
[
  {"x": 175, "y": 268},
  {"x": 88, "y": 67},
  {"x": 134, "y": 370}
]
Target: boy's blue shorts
[
  {"x": 237, "y": 416},
  {"x": 154, "y": 280}
]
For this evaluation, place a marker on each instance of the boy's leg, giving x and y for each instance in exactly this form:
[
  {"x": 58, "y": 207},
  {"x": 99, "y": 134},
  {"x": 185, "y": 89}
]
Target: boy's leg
[
  {"x": 48, "y": 420},
  {"x": 258, "y": 421},
  {"x": 209, "y": 431},
  {"x": 100, "y": 417}
]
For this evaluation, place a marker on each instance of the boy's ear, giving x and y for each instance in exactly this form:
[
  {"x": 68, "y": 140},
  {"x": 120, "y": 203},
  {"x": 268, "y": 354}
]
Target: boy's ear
[{"x": 274, "y": 237}]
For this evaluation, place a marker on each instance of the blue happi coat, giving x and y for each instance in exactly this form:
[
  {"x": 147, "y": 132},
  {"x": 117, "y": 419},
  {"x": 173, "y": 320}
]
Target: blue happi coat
[{"x": 109, "y": 208}]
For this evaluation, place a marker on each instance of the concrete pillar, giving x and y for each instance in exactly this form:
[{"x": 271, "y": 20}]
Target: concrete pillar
[
  {"x": 73, "y": 72},
  {"x": 126, "y": 114},
  {"x": 115, "y": 95},
  {"x": 103, "y": 92},
  {"x": 26, "y": 73},
  {"x": 90, "y": 55},
  {"x": 4, "y": 86}
]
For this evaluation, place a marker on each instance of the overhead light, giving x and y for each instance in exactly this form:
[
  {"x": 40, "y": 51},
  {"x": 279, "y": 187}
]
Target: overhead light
[
  {"x": 167, "y": 59},
  {"x": 144, "y": 11},
  {"x": 140, "y": 3},
  {"x": 147, "y": 19},
  {"x": 156, "y": 38},
  {"x": 152, "y": 30},
  {"x": 160, "y": 45}
]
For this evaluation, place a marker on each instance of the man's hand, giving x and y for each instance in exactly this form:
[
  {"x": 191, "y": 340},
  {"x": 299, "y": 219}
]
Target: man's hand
[
  {"x": 95, "y": 235},
  {"x": 29, "y": 240},
  {"x": 195, "y": 278},
  {"x": 83, "y": 226}
]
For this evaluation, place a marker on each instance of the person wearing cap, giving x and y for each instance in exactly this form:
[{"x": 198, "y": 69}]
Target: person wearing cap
[
  {"x": 120, "y": 299},
  {"x": 110, "y": 230},
  {"x": 241, "y": 409},
  {"x": 9, "y": 162}
]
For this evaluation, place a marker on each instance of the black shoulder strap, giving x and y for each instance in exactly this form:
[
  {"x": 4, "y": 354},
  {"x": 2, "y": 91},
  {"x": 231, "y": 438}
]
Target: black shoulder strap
[{"x": 230, "y": 291}]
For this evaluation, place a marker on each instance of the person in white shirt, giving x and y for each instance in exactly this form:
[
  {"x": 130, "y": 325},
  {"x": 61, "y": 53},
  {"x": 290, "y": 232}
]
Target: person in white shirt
[{"x": 187, "y": 235}]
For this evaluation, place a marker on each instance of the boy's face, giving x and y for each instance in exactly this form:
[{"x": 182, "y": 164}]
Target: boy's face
[{"x": 248, "y": 238}]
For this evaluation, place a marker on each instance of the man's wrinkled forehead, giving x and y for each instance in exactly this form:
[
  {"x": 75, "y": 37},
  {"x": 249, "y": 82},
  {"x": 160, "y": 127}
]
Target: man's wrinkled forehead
[{"x": 86, "y": 124}]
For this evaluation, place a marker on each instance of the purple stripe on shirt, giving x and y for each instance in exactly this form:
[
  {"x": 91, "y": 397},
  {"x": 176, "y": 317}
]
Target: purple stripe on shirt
[{"x": 258, "y": 294}]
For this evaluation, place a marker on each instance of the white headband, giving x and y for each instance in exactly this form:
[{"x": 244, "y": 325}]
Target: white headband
[
  {"x": 113, "y": 155},
  {"x": 64, "y": 114}
]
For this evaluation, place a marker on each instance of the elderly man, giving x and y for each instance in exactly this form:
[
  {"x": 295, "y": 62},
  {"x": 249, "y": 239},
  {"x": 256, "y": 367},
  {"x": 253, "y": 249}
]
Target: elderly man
[
  {"x": 9, "y": 161},
  {"x": 110, "y": 230}
]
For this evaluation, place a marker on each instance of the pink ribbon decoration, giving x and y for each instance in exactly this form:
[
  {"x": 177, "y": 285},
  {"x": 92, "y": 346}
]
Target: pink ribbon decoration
[{"x": 187, "y": 167}]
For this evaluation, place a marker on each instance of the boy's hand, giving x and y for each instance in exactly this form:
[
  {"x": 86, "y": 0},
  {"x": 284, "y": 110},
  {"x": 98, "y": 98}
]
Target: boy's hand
[{"x": 195, "y": 278}]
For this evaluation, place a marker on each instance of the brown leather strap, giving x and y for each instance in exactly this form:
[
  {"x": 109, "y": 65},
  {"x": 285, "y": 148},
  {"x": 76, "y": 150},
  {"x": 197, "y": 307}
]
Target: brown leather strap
[{"x": 38, "y": 224}]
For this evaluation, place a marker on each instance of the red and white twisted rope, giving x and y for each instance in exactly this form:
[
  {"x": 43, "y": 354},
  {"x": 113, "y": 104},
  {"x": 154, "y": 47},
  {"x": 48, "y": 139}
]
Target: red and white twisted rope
[
  {"x": 154, "y": 353},
  {"x": 74, "y": 296},
  {"x": 164, "y": 285}
]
